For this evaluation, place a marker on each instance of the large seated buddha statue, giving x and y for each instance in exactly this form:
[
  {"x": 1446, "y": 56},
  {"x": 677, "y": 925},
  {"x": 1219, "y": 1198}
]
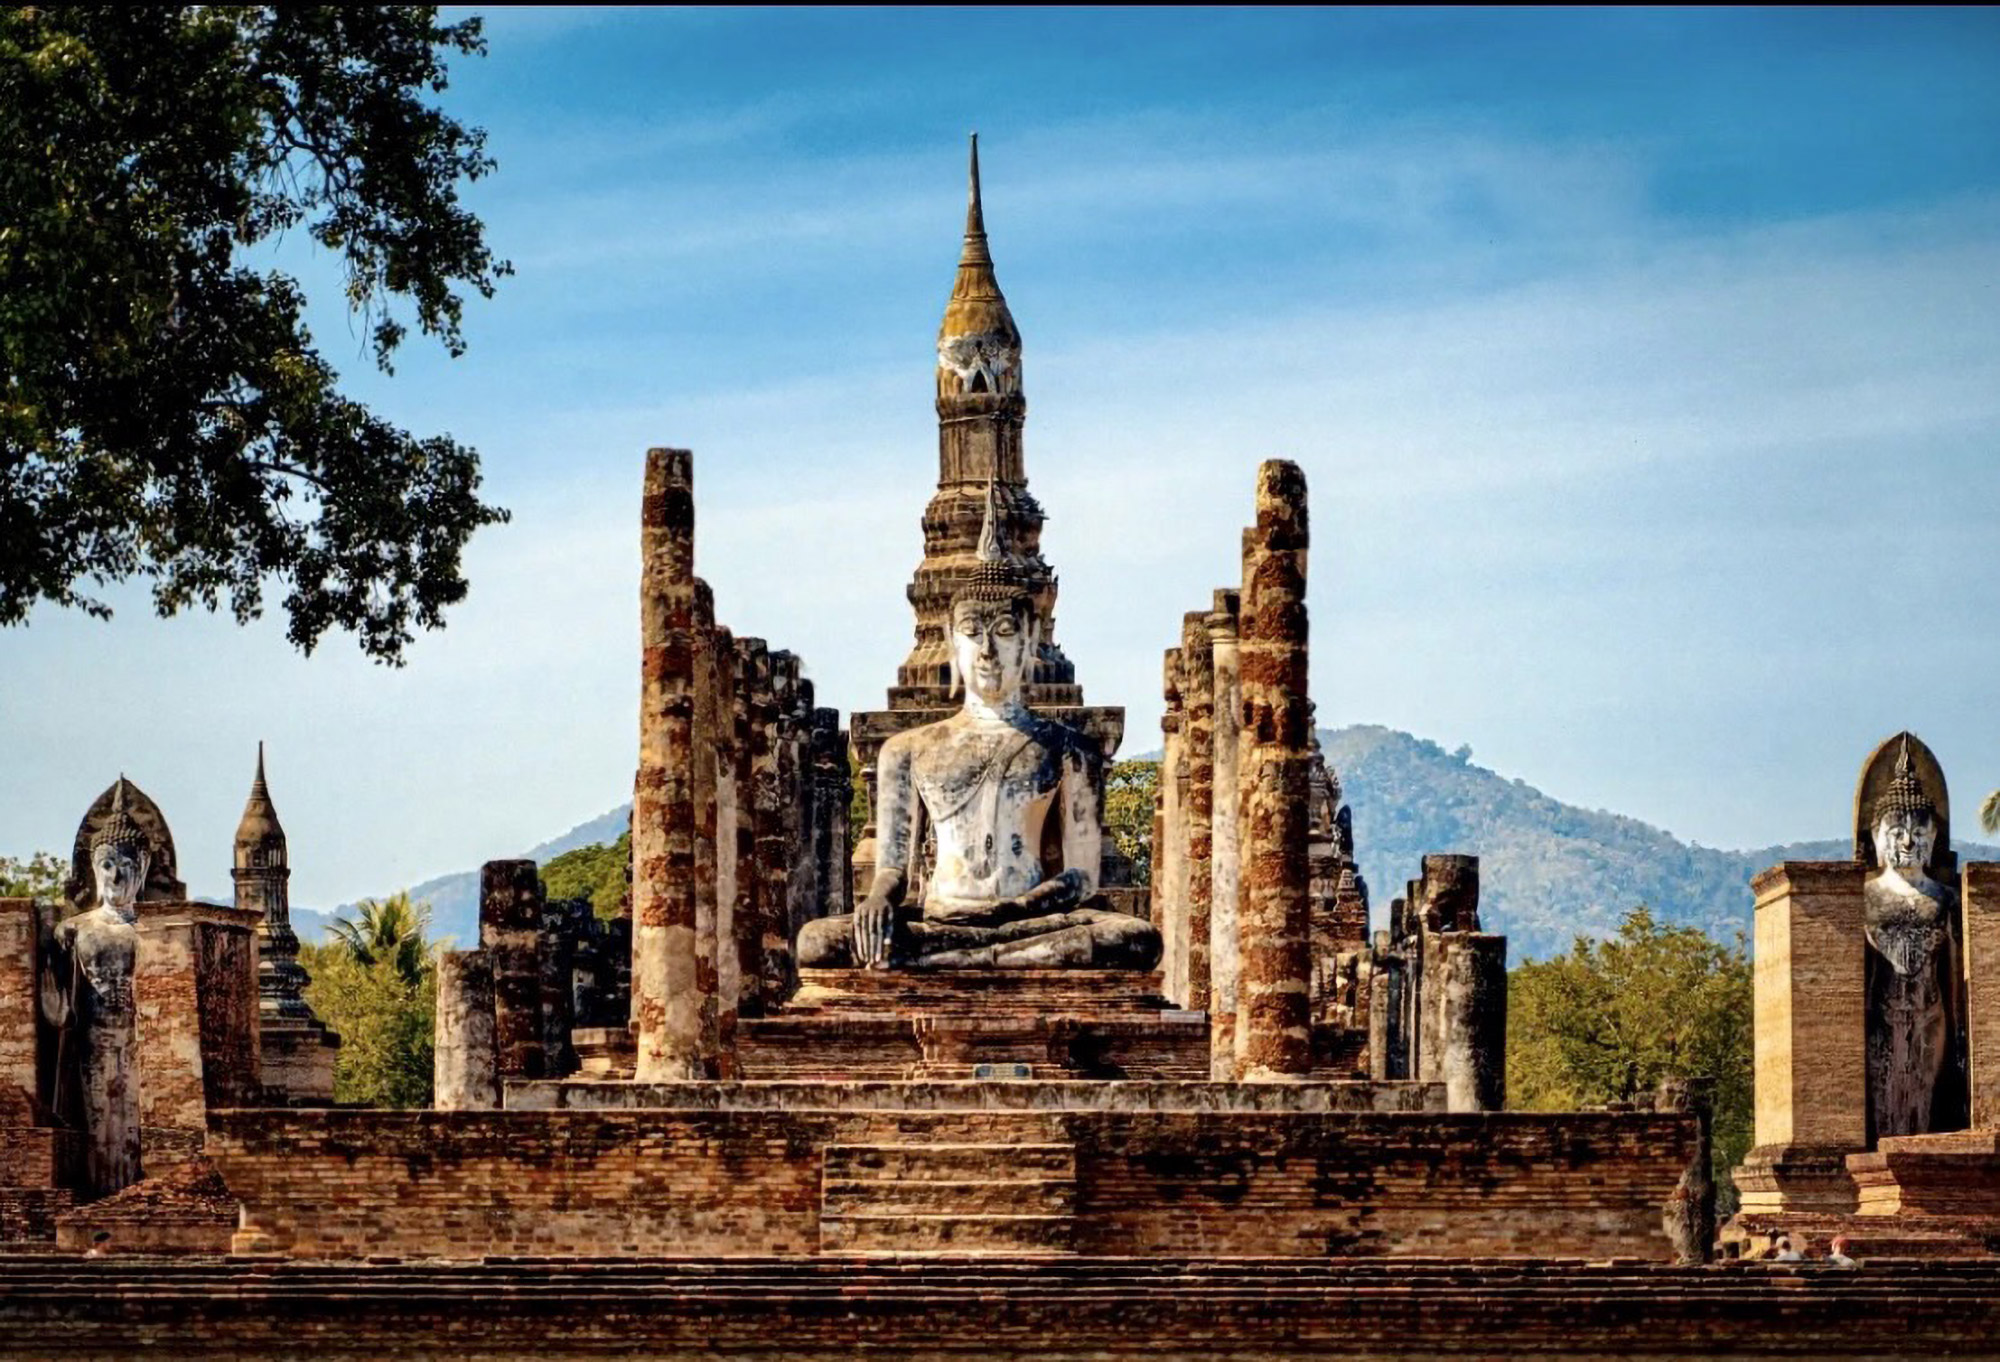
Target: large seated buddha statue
[{"x": 985, "y": 784}]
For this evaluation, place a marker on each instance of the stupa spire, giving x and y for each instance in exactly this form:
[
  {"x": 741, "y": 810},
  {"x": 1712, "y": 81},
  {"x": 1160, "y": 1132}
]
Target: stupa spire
[{"x": 975, "y": 251}]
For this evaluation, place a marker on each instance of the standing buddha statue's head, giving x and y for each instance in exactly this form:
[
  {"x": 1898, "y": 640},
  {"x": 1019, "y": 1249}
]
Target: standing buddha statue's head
[
  {"x": 1905, "y": 828},
  {"x": 995, "y": 621},
  {"x": 120, "y": 856}
]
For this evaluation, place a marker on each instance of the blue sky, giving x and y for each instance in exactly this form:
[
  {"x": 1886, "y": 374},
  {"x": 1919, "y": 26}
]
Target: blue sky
[{"x": 1645, "y": 367}]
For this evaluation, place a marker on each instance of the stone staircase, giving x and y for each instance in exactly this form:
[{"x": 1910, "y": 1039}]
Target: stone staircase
[
  {"x": 1009, "y": 1199},
  {"x": 1057, "y": 1308}
]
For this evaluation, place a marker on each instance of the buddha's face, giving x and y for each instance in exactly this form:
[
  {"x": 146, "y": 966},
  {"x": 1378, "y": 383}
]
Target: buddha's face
[
  {"x": 1903, "y": 840},
  {"x": 993, "y": 646},
  {"x": 120, "y": 872}
]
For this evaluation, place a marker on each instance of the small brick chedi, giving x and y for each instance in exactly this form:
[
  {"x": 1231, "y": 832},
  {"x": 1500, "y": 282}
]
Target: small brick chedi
[
  {"x": 1878, "y": 1031},
  {"x": 965, "y": 1088}
]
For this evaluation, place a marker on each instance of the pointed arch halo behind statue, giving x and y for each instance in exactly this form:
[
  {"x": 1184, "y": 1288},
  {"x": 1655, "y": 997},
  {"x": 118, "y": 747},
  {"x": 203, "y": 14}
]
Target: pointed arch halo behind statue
[
  {"x": 987, "y": 782},
  {"x": 1915, "y": 999}
]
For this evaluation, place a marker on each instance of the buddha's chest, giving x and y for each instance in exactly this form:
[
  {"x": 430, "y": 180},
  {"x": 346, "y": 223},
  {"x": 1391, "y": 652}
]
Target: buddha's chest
[{"x": 988, "y": 780}]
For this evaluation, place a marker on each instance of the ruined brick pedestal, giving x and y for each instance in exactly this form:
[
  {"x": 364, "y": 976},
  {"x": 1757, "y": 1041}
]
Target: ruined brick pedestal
[
  {"x": 1811, "y": 1062},
  {"x": 196, "y": 989},
  {"x": 913, "y": 1024}
]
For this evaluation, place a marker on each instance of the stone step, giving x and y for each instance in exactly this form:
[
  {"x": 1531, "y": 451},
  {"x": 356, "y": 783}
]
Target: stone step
[
  {"x": 1007, "y": 1196},
  {"x": 845, "y": 1163},
  {"x": 867, "y": 1232}
]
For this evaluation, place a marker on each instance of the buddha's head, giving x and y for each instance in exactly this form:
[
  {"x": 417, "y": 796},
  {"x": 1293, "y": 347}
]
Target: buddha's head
[
  {"x": 1905, "y": 828},
  {"x": 120, "y": 856},
  {"x": 995, "y": 622}
]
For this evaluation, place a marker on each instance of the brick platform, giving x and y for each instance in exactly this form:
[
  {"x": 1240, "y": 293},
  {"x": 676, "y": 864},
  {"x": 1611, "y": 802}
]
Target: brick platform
[
  {"x": 1051, "y": 1309},
  {"x": 1199, "y": 1169},
  {"x": 887, "y": 1024}
]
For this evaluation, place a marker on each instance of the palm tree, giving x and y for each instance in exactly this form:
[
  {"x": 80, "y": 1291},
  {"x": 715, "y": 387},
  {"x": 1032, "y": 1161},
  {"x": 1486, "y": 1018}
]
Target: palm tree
[
  {"x": 1989, "y": 812},
  {"x": 389, "y": 929}
]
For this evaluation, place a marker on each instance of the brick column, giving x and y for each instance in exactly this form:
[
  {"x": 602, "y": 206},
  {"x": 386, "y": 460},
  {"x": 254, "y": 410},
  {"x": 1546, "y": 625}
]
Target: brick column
[
  {"x": 778, "y": 830},
  {"x": 1274, "y": 762},
  {"x": 1810, "y": 1031},
  {"x": 663, "y": 930},
  {"x": 1170, "y": 847},
  {"x": 728, "y": 890},
  {"x": 702, "y": 776},
  {"x": 1385, "y": 1004},
  {"x": 465, "y": 1064},
  {"x": 796, "y": 777},
  {"x": 510, "y": 920},
  {"x": 1225, "y": 957},
  {"x": 1198, "y": 749},
  {"x": 833, "y": 791},
  {"x": 1470, "y": 982},
  {"x": 1981, "y": 905},
  {"x": 166, "y": 988},
  {"x": 756, "y": 794},
  {"x": 20, "y": 1012}
]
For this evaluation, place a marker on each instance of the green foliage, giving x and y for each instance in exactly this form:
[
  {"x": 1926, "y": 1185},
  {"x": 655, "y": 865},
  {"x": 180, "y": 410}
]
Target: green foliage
[
  {"x": 1989, "y": 813},
  {"x": 376, "y": 985},
  {"x": 391, "y": 931},
  {"x": 1609, "y": 1019},
  {"x": 600, "y": 873},
  {"x": 39, "y": 877},
  {"x": 1128, "y": 813},
  {"x": 163, "y": 411}
]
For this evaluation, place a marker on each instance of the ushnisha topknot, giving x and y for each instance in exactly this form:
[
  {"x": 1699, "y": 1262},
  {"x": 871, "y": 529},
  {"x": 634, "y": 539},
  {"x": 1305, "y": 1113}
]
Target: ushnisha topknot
[
  {"x": 118, "y": 829},
  {"x": 1906, "y": 794},
  {"x": 998, "y": 579}
]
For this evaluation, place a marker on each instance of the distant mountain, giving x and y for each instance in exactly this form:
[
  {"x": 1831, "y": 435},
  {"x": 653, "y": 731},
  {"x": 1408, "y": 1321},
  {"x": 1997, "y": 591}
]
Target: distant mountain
[
  {"x": 1548, "y": 870},
  {"x": 454, "y": 898}
]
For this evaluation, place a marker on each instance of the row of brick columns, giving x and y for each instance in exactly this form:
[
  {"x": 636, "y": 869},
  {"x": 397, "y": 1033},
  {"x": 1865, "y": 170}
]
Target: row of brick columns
[
  {"x": 739, "y": 827},
  {"x": 1261, "y": 908},
  {"x": 739, "y": 836},
  {"x": 1230, "y": 888}
]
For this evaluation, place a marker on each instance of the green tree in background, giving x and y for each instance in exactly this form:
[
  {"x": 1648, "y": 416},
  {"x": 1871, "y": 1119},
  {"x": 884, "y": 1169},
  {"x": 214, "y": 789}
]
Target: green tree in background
[
  {"x": 1989, "y": 813},
  {"x": 39, "y": 877},
  {"x": 1611, "y": 1018},
  {"x": 163, "y": 410},
  {"x": 1128, "y": 813},
  {"x": 375, "y": 983},
  {"x": 601, "y": 873},
  {"x": 391, "y": 930}
]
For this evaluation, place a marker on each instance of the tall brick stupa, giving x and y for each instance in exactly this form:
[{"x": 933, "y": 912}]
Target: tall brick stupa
[{"x": 981, "y": 410}]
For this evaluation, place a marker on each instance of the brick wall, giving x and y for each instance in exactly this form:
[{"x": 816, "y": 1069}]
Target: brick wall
[
  {"x": 196, "y": 988},
  {"x": 691, "y": 1183},
  {"x": 1052, "y": 1310}
]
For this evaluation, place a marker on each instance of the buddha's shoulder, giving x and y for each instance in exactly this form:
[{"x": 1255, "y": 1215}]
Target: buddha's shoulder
[{"x": 1061, "y": 739}]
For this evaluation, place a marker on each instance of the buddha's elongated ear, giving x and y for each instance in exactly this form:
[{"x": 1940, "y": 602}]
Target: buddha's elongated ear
[{"x": 957, "y": 680}]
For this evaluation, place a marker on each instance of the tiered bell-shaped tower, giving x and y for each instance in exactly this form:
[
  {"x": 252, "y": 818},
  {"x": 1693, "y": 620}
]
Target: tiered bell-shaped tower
[
  {"x": 981, "y": 409},
  {"x": 298, "y": 1050}
]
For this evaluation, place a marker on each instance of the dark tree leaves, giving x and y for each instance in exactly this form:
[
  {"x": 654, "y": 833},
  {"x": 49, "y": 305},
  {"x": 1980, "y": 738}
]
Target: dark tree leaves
[{"x": 163, "y": 412}]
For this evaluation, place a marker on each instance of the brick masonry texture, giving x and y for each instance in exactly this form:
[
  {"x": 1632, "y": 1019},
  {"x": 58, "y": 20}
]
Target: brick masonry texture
[
  {"x": 1052, "y": 1309},
  {"x": 337, "y": 1184}
]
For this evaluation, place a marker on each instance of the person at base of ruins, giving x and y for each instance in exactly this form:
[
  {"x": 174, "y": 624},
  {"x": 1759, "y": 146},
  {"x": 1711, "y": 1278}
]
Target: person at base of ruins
[
  {"x": 1836, "y": 1255},
  {"x": 1915, "y": 1082},
  {"x": 987, "y": 780},
  {"x": 87, "y": 994},
  {"x": 1785, "y": 1252}
]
